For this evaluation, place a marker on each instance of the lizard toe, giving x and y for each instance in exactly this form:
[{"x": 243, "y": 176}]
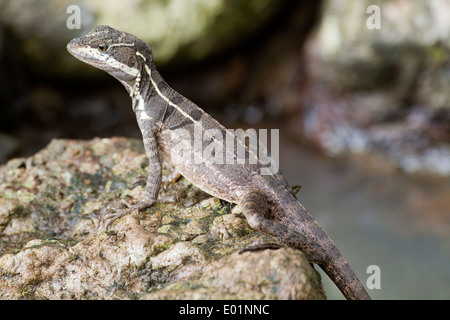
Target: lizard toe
[{"x": 114, "y": 214}]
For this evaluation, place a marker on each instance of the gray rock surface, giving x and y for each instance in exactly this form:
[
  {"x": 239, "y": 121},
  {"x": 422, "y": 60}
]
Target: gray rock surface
[{"x": 53, "y": 244}]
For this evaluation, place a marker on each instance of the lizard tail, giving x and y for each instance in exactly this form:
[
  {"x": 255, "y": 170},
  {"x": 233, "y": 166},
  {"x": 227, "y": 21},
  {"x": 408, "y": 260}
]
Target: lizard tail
[
  {"x": 291, "y": 223},
  {"x": 343, "y": 276}
]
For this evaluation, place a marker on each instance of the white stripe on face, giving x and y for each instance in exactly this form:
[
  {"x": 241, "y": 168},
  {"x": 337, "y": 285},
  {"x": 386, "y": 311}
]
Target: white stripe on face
[{"x": 94, "y": 54}]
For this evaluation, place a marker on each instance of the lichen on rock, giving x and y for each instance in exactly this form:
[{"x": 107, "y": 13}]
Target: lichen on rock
[{"x": 53, "y": 244}]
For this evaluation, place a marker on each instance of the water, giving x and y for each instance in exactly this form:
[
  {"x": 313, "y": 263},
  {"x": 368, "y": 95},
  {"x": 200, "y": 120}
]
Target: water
[{"x": 382, "y": 217}]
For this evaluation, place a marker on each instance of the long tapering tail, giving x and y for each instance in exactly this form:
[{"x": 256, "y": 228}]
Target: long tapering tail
[{"x": 343, "y": 276}]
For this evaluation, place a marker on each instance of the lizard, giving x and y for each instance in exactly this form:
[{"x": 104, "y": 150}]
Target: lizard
[{"x": 161, "y": 112}]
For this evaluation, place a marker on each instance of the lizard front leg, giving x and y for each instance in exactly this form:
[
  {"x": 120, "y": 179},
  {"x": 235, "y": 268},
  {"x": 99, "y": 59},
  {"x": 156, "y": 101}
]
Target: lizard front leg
[
  {"x": 256, "y": 209},
  {"x": 153, "y": 182}
]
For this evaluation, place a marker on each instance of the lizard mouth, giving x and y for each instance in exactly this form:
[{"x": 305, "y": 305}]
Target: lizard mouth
[
  {"x": 74, "y": 49},
  {"x": 82, "y": 53}
]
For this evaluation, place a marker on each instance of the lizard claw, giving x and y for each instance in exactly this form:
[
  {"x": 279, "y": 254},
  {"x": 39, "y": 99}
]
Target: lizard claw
[
  {"x": 295, "y": 189},
  {"x": 115, "y": 214},
  {"x": 171, "y": 179}
]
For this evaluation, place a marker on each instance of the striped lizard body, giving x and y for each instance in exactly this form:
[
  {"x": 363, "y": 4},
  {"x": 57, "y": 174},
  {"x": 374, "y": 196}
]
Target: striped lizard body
[{"x": 169, "y": 122}]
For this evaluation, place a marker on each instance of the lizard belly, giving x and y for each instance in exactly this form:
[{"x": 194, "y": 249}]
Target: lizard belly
[
  {"x": 224, "y": 181},
  {"x": 220, "y": 184}
]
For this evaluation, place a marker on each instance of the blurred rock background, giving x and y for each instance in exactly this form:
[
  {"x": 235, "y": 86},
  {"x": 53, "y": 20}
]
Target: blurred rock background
[{"x": 385, "y": 90}]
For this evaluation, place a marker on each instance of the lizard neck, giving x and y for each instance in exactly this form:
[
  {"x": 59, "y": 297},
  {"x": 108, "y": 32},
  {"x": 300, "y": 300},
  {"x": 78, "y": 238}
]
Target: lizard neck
[
  {"x": 149, "y": 94},
  {"x": 140, "y": 89}
]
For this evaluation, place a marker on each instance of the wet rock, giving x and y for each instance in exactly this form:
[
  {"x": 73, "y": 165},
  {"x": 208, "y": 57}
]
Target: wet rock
[{"x": 53, "y": 244}]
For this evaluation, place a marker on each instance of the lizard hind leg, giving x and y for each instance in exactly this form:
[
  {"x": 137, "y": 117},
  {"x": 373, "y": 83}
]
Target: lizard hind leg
[
  {"x": 255, "y": 207},
  {"x": 256, "y": 210}
]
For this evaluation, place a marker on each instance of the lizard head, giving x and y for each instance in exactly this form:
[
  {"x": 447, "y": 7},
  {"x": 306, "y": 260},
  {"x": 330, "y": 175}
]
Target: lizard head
[{"x": 119, "y": 53}]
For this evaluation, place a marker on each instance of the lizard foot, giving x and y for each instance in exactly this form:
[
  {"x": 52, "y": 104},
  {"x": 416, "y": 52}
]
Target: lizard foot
[
  {"x": 170, "y": 179},
  {"x": 114, "y": 213},
  {"x": 261, "y": 246},
  {"x": 295, "y": 189}
]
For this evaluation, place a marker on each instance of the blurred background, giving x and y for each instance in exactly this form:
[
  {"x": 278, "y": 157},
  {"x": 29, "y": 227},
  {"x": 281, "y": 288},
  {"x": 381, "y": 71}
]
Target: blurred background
[{"x": 363, "y": 113}]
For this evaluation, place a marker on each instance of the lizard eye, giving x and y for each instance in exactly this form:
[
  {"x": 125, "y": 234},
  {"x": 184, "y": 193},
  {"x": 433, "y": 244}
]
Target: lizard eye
[{"x": 103, "y": 47}]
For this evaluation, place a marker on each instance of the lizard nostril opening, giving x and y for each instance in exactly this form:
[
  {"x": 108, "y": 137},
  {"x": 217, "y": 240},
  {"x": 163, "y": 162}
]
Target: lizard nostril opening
[{"x": 72, "y": 44}]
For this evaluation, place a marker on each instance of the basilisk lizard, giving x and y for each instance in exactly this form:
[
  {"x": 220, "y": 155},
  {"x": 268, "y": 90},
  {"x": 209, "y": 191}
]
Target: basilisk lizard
[{"x": 266, "y": 201}]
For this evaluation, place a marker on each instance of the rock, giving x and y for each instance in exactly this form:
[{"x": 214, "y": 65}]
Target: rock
[
  {"x": 271, "y": 274},
  {"x": 53, "y": 244}
]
